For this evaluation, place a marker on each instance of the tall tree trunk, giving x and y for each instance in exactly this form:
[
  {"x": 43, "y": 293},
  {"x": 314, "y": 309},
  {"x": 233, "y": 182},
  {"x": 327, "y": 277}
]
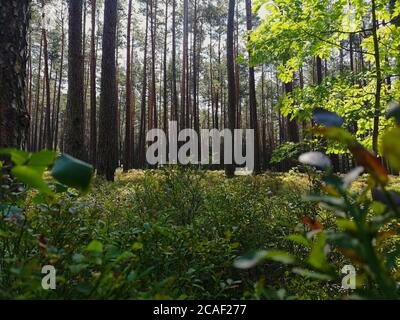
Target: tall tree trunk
[
  {"x": 165, "y": 88},
  {"x": 184, "y": 73},
  {"x": 14, "y": 118},
  {"x": 377, "y": 106},
  {"x": 142, "y": 134},
  {"x": 196, "y": 115},
  {"x": 153, "y": 123},
  {"x": 237, "y": 69},
  {"x": 252, "y": 96},
  {"x": 30, "y": 93},
  {"x": 175, "y": 108},
  {"x": 108, "y": 132},
  {"x": 293, "y": 128},
  {"x": 36, "y": 113},
  {"x": 85, "y": 88},
  {"x": 212, "y": 95},
  {"x": 265, "y": 158},
  {"x": 75, "y": 124},
  {"x": 218, "y": 97},
  {"x": 93, "y": 104},
  {"x": 128, "y": 116},
  {"x": 133, "y": 106},
  {"x": 47, "y": 125},
  {"x": 319, "y": 70},
  {"x": 60, "y": 79},
  {"x": 230, "y": 168},
  {"x": 41, "y": 122}
]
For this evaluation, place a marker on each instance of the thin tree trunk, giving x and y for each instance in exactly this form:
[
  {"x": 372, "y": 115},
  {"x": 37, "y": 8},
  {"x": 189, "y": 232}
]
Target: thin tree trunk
[
  {"x": 29, "y": 88},
  {"x": 184, "y": 64},
  {"x": 252, "y": 96},
  {"x": 165, "y": 96},
  {"x": 377, "y": 107},
  {"x": 128, "y": 116},
  {"x": 153, "y": 123},
  {"x": 230, "y": 168},
  {"x": 56, "y": 133},
  {"x": 36, "y": 113},
  {"x": 47, "y": 131},
  {"x": 174, "y": 113},
  {"x": 196, "y": 116},
  {"x": 93, "y": 104},
  {"x": 142, "y": 136}
]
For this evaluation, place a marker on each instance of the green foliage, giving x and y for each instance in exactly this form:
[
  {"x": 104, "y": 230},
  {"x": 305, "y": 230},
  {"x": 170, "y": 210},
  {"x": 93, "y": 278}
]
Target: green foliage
[
  {"x": 365, "y": 231},
  {"x": 291, "y": 150},
  {"x": 29, "y": 168},
  {"x": 292, "y": 33},
  {"x": 72, "y": 172},
  {"x": 172, "y": 233}
]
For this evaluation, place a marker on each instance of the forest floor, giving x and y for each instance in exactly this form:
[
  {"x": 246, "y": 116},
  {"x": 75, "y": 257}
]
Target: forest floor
[{"x": 171, "y": 234}]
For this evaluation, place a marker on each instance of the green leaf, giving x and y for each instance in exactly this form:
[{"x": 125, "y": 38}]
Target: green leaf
[
  {"x": 312, "y": 274},
  {"x": 253, "y": 259},
  {"x": 317, "y": 257},
  {"x": 42, "y": 158},
  {"x": 250, "y": 260},
  {"x": 333, "y": 201},
  {"x": 391, "y": 147},
  {"x": 300, "y": 239},
  {"x": 344, "y": 241},
  {"x": 77, "y": 268},
  {"x": 95, "y": 246},
  {"x": 32, "y": 177},
  {"x": 59, "y": 187},
  {"x": 137, "y": 246},
  {"x": 346, "y": 224},
  {"x": 280, "y": 256},
  {"x": 73, "y": 172},
  {"x": 17, "y": 156},
  {"x": 338, "y": 135}
]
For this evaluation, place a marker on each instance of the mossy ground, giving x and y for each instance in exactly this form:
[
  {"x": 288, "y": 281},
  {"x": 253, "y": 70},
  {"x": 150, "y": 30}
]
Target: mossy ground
[{"x": 170, "y": 233}]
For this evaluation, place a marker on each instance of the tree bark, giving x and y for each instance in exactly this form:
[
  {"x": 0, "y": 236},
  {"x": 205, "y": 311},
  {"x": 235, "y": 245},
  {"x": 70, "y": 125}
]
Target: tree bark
[
  {"x": 142, "y": 134},
  {"x": 93, "y": 105},
  {"x": 196, "y": 111},
  {"x": 56, "y": 129},
  {"x": 128, "y": 116},
  {"x": 293, "y": 128},
  {"x": 14, "y": 117},
  {"x": 230, "y": 168},
  {"x": 74, "y": 124},
  {"x": 175, "y": 108},
  {"x": 184, "y": 64},
  {"x": 107, "y": 160},
  {"x": 165, "y": 88},
  {"x": 47, "y": 125},
  {"x": 377, "y": 106},
  {"x": 252, "y": 97}
]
